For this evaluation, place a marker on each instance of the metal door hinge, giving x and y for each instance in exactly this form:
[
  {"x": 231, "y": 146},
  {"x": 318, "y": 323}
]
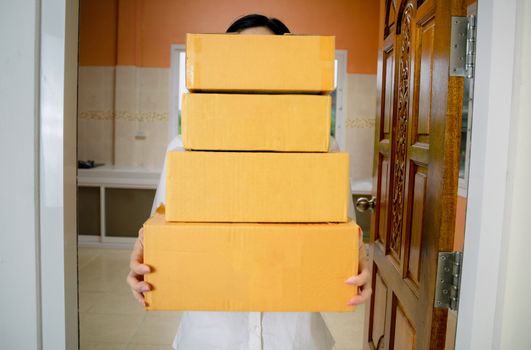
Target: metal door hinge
[
  {"x": 463, "y": 46},
  {"x": 448, "y": 280}
]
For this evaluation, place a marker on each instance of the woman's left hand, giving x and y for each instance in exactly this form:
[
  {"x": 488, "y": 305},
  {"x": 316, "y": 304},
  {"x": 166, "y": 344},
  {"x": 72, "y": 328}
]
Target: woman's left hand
[{"x": 362, "y": 280}]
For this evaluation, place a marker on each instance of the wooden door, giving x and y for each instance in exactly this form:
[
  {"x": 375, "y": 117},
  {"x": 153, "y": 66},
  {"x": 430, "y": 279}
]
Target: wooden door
[{"x": 416, "y": 173}]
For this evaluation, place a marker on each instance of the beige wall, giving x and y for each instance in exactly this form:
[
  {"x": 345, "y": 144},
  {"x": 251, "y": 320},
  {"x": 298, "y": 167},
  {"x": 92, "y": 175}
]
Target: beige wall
[
  {"x": 141, "y": 110},
  {"x": 95, "y": 113},
  {"x": 123, "y": 115},
  {"x": 360, "y": 121}
]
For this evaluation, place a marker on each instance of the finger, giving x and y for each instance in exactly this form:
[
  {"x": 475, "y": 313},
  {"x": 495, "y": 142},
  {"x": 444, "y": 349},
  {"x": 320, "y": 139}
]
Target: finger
[
  {"x": 137, "y": 259},
  {"x": 137, "y": 285},
  {"x": 135, "y": 278},
  {"x": 138, "y": 251},
  {"x": 363, "y": 261},
  {"x": 354, "y": 280},
  {"x": 139, "y": 269},
  {"x": 141, "y": 236},
  {"x": 132, "y": 279},
  {"x": 138, "y": 288},
  {"x": 359, "y": 280},
  {"x": 139, "y": 298},
  {"x": 361, "y": 298}
]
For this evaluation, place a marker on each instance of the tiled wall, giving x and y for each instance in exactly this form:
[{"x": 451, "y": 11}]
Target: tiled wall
[
  {"x": 95, "y": 113},
  {"x": 360, "y": 122},
  {"x": 117, "y": 106},
  {"x": 141, "y": 116},
  {"x": 123, "y": 115}
]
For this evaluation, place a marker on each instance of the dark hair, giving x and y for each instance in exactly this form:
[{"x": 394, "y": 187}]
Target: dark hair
[{"x": 256, "y": 20}]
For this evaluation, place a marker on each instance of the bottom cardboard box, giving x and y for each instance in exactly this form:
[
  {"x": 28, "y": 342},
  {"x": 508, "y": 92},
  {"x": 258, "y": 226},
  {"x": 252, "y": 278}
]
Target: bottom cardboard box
[{"x": 250, "y": 267}]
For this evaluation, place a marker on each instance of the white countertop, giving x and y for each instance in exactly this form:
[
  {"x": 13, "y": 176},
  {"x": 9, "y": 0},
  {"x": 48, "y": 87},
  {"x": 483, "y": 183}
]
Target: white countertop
[
  {"x": 361, "y": 186},
  {"x": 131, "y": 177},
  {"x": 113, "y": 176}
]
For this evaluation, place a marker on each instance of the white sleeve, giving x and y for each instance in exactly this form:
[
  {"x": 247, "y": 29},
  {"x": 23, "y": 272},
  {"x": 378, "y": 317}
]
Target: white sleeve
[{"x": 160, "y": 194}]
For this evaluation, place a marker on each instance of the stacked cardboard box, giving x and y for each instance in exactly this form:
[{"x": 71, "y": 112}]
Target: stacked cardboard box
[{"x": 256, "y": 208}]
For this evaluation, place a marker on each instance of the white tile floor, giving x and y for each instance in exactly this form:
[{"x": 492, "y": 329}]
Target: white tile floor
[{"x": 110, "y": 318}]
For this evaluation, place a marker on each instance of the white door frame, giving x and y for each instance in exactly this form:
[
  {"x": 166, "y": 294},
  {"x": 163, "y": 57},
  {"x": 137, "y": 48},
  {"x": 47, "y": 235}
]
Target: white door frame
[
  {"x": 58, "y": 172},
  {"x": 38, "y": 241},
  {"x": 484, "y": 234}
]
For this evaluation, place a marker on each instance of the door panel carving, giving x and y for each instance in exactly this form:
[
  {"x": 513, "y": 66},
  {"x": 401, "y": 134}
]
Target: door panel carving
[{"x": 400, "y": 135}]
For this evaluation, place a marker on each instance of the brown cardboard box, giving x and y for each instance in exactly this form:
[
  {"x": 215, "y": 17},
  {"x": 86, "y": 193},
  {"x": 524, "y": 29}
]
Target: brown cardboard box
[
  {"x": 271, "y": 63},
  {"x": 250, "y": 267},
  {"x": 256, "y": 187},
  {"x": 256, "y": 122}
]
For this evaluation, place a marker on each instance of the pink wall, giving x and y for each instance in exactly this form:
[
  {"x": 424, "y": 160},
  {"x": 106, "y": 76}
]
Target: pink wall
[{"x": 146, "y": 28}]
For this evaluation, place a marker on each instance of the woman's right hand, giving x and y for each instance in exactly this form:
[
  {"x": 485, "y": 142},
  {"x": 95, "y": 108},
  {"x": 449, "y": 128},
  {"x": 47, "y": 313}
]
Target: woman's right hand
[{"x": 137, "y": 270}]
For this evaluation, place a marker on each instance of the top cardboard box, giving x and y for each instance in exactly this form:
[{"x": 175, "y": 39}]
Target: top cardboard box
[{"x": 261, "y": 63}]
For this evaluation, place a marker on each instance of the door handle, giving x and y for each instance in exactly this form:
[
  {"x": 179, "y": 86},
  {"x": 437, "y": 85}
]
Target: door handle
[{"x": 363, "y": 204}]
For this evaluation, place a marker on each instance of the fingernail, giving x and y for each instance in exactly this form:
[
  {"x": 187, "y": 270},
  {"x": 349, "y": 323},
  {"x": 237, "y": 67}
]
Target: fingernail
[
  {"x": 145, "y": 289},
  {"x": 350, "y": 280},
  {"x": 145, "y": 269}
]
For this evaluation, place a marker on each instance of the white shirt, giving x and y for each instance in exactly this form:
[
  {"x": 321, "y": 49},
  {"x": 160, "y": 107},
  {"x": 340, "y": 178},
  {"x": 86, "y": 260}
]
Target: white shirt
[{"x": 200, "y": 330}]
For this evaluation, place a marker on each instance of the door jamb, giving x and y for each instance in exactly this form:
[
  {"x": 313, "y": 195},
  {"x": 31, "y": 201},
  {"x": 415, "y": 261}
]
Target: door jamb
[{"x": 488, "y": 174}]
